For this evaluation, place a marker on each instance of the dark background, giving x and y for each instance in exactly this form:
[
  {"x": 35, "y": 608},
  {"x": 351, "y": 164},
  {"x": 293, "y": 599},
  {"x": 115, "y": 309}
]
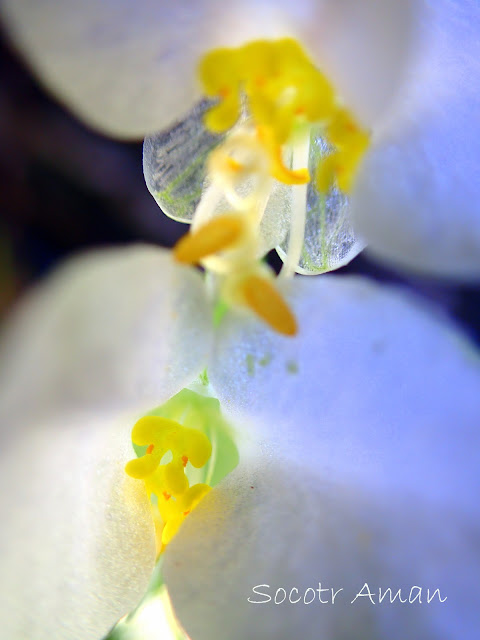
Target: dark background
[{"x": 64, "y": 188}]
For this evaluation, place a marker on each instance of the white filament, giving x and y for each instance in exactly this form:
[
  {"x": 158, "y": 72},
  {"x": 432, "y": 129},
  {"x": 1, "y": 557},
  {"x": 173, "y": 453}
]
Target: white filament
[{"x": 300, "y": 157}]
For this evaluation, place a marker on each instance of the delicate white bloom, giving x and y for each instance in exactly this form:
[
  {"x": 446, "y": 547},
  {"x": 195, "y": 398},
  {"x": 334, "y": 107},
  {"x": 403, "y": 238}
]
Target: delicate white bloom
[
  {"x": 105, "y": 338},
  {"x": 128, "y": 68},
  {"x": 359, "y": 438}
]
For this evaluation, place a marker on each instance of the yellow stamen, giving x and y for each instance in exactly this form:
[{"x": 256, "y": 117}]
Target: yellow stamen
[
  {"x": 169, "y": 481},
  {"x": 263, "y": 298},
  {"x": 149, "y": 429},
  {"x": 175, "y": 480},
  {"x": 217, "y": 235},
  {"x": 284, "y": 90},
  {"x": 233, "y": 165},
  {"x": 277, "y": 167}
]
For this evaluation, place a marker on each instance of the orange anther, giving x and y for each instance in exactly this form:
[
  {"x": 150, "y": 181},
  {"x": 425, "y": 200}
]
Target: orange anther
[
  {"x": 166, "y": 495},
  {"x": 185, "y": 513},
  {"x": 221, "y": 233},
  {"x": 150, "y": 448},
  {"x": 263, "y": 299},
  {"x": 184, "y": 460}
]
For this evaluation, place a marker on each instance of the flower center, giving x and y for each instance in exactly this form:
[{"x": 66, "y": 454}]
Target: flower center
[
  {"x": 269, "y": 96},
  {"x": 285, "y": 94},
  {"x": 172, "y": 452}
]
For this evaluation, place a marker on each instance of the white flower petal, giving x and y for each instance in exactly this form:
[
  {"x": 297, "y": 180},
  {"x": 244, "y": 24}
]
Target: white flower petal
[
  {"x": 77, "y": 541},
  {"x": 364, "y": 48},
  {"x": 128, "y": 68},
  {"x": 115, "y": 63},
  {"x": 371, "y": 417},
  {"x": 119, "y": 328},
  {"x": 294, "y": 528},
  {"x": 373, "y": 388},
  {"x": 417, "y": 197}
]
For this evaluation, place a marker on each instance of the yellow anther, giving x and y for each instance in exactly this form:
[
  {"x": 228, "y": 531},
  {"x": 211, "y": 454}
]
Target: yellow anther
[
  {"x": 263, "y": 299},
  {"x": 223, "y": 115},
  {"x": 217, "y": 235},
  {"x": 193, "y": 496},
  {"x": 198, "y": 447},
  {"x": 351, "y": 143},
  {"x": 284, "y": 91},
  {"x": 326, "y": 172},
  {"x": 151, "y": 429},
  {"x": 171, "y": 527},
  {"x": 142, "y": 467},
  {"x": 168, "y": 481},
  {"x": 277, "y": 77},
  {"x": 218, "y": 71},
  {"x": 176, "y": 482}
]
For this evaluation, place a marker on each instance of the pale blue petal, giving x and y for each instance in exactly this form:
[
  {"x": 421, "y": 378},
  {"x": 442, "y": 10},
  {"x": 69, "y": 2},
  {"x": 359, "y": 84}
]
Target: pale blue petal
[
  {"x": 417, "y": 201},
  {"x": 374, "y": 389},
  {"x": 296, "y": 530},
  {"x": 364, "y": 47},
  {"x": 368, "y": 472}
]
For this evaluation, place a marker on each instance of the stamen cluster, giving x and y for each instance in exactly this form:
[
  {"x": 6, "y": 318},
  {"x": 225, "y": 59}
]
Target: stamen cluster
[
  {"x": 168, "y": 481},
  {"x": 269, "y": 96}
]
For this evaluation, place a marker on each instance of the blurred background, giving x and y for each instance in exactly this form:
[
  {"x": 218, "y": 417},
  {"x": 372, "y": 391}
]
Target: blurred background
[{"x": 64, "y": 189}]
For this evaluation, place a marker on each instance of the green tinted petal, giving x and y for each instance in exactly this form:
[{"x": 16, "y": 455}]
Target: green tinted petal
[
  {"x": 174, "y": 164},
  {"x": 330, "y": 241}
]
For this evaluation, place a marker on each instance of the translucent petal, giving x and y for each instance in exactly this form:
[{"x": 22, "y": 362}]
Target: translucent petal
[
  {"x": 329, "y": 241},
  {"x": 372, "y": 385},
  {"x": 417, "y": 197},
  {"x": 174, "y": 164},
  {"x": 128, "y": 68},
  {"x": 276, "y": 219},
  {"x": 110, "y": 329},
  {"x": 77, "y": 540},
  {"x": 288, "y": 531}
]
